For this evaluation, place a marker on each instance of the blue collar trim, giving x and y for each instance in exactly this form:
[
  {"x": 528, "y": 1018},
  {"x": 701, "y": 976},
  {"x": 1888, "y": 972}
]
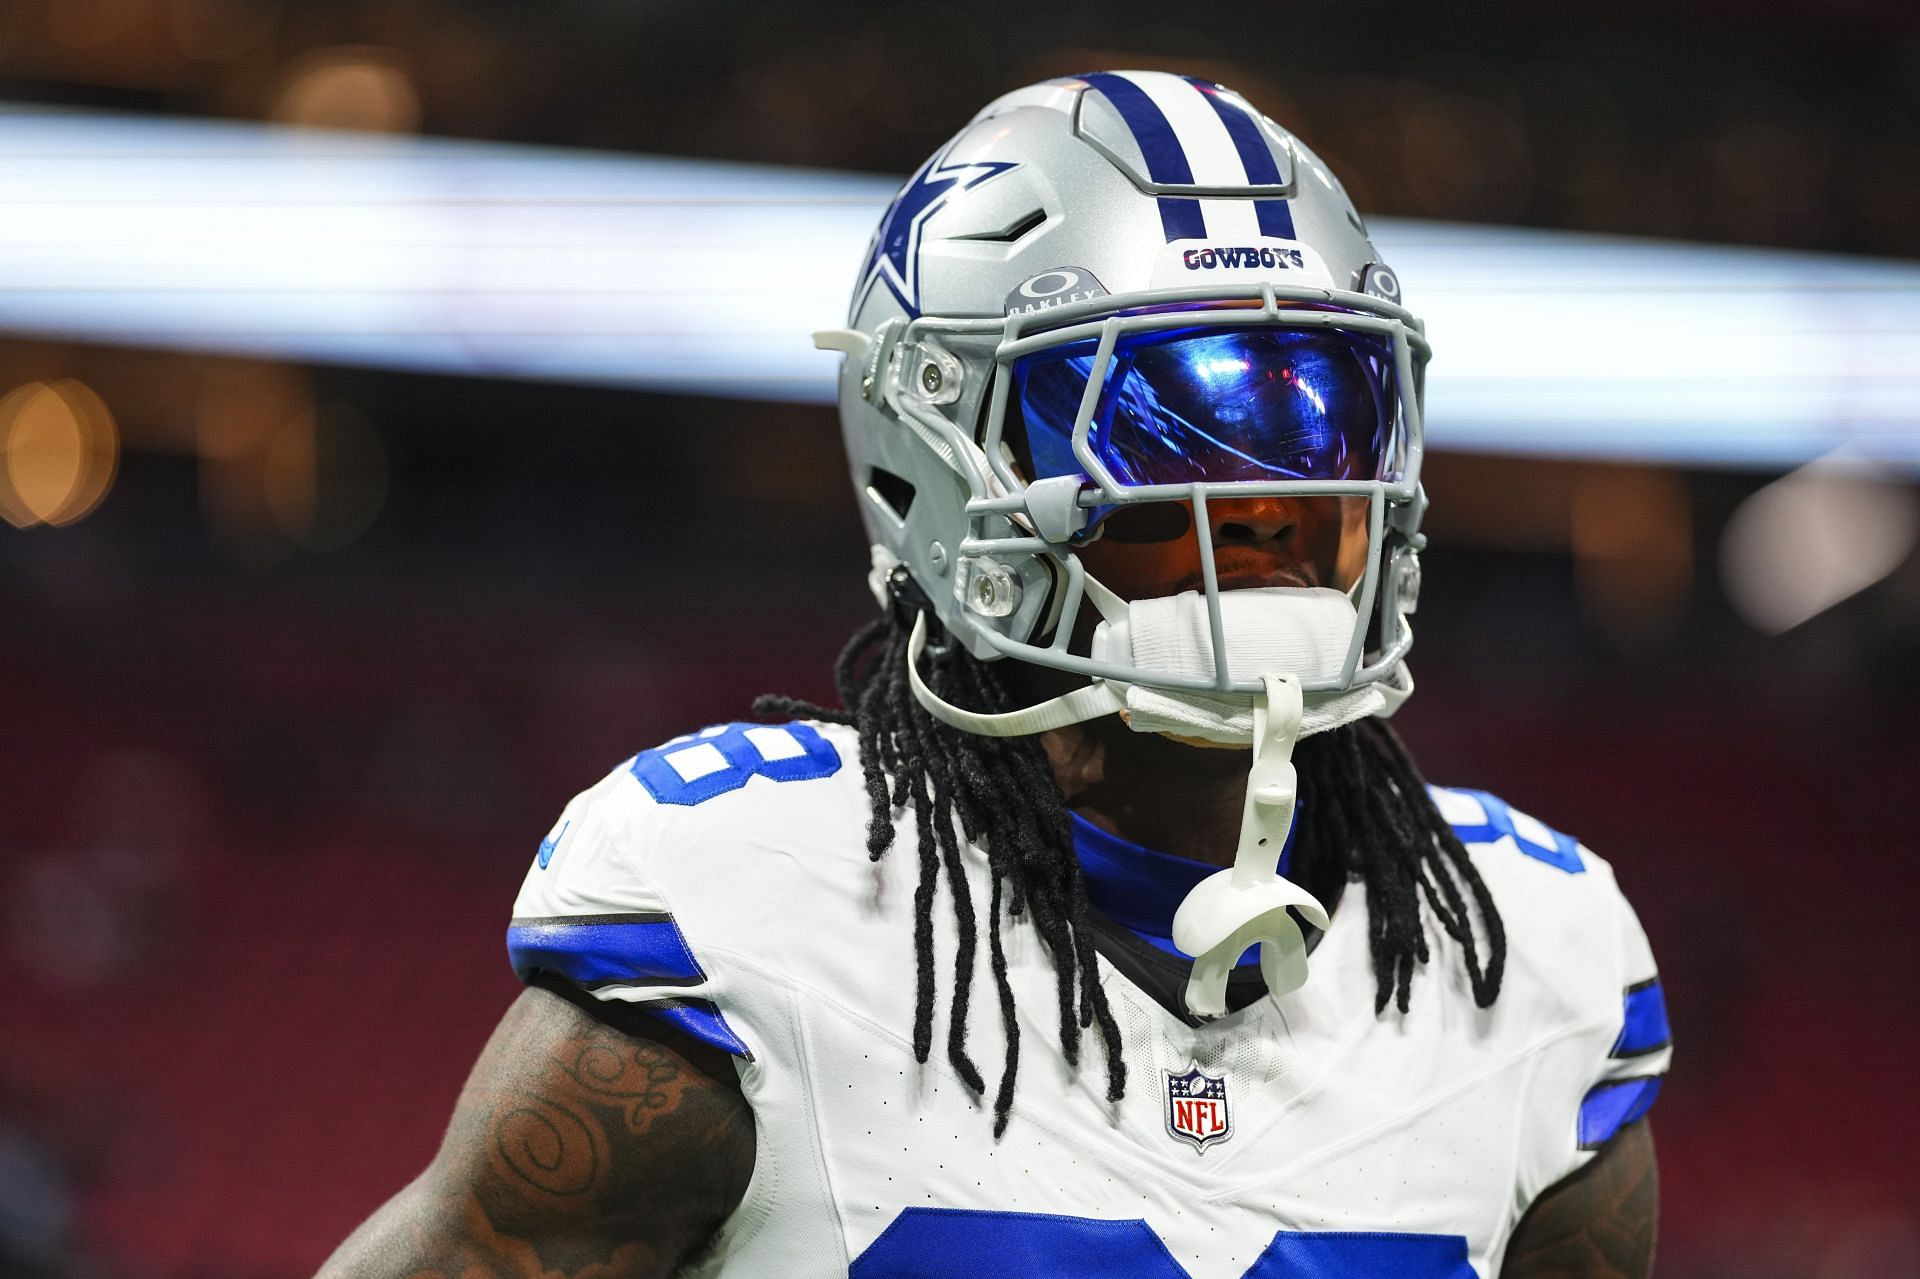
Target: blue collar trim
[{"x": 1141, "y": 887}]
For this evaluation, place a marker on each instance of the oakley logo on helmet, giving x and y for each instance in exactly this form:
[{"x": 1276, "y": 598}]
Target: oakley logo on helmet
[
  {"x": 1238, "y": 256},
  {"x": 1380, "y": 282},
  {"x": 1053, "y": 288}
]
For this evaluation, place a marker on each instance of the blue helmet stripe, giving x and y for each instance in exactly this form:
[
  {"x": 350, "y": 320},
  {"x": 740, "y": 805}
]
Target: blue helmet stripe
[
  {"x": 1254, "y": 156},
  {"x": 1182, "y": 219},
  {"x": 1160, "y": 147},
  {"x": 1276, "y": 218}
]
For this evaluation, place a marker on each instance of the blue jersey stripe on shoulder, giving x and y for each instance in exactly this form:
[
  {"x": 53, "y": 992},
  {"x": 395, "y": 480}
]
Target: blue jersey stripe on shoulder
[
  {"x": 1644, "y": 1028},
  {"x": 1563, "y": 853},
  {"x": 700, "y": 1018},
  {"x": 599, "y": 950},
  {"x": 1608, "y": 1108},
  {"x": 613, "y": 950}
]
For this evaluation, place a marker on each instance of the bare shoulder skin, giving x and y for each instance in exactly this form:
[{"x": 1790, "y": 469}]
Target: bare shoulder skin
[
  {"x": 576, "y": 1148},
  {"x": 1600, "y": 1222}
]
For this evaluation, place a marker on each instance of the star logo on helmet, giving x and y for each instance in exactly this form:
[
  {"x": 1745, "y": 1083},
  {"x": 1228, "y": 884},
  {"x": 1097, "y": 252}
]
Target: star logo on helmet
[{"x": 894, "y": 257}]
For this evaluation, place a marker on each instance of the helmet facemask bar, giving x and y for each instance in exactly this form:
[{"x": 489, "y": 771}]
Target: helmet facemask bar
[{"x": 1008, "y": 512}]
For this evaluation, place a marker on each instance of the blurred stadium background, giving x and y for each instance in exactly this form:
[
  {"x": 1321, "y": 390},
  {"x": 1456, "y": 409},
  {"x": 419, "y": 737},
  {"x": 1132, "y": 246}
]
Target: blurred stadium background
[{"x": 307, "y": 629}]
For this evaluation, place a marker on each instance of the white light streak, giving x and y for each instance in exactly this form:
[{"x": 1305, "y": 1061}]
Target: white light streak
[{"x": 706, "y": 278}]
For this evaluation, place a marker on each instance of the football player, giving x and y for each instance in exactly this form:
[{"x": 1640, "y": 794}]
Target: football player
[{"x": 1133, "y": 409}]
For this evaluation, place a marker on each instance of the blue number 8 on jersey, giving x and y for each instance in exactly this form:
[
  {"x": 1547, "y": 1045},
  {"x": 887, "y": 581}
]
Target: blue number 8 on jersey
[
  {"x": 691, "y": 770},
  {"x": 943, "y": 1243}
]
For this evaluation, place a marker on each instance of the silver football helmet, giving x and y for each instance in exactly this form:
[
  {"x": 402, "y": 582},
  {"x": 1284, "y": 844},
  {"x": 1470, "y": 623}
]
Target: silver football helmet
[{"x": 1112, "y": 291}]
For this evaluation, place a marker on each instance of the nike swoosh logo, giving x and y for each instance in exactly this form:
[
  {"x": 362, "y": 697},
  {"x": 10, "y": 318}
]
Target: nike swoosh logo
[{"x": 552, "y": 842}]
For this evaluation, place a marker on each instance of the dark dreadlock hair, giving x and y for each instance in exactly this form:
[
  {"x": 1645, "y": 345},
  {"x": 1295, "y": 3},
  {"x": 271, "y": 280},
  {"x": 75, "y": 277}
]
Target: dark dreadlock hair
[{"x": 1373, "y": 821}]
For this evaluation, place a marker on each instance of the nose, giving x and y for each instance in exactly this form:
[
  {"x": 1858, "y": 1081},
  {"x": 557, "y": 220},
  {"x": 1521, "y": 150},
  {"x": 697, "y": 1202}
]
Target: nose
[{"x": 1253, "y": 521}]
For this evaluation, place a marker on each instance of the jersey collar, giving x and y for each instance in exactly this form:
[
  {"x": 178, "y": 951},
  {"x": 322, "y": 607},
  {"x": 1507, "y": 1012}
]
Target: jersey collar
[{"x": 1140, "y": 887}]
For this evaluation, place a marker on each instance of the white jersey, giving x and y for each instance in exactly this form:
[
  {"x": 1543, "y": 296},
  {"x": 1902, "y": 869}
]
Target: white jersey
[{"x": 722, "y": 880}]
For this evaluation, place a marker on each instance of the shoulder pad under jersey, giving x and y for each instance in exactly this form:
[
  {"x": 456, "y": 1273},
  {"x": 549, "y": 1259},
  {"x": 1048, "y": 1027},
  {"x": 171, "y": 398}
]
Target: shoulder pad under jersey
[
  {"x": 698, "y": 849},
  {"x": 1577, "y": 957}
]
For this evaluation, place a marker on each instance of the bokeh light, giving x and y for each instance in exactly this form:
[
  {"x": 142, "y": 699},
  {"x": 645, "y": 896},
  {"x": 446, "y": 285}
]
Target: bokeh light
[
  {"x": 1632, "y": 540},
  {"x": 1814, "y": 538},
  {"x": 350, "y": 88},
  {"x": 324, "y": 477},
  {"x": 281, "y": 471},
  {"x": 242, "y": 410},
  {"x": 59, "y": 449}
]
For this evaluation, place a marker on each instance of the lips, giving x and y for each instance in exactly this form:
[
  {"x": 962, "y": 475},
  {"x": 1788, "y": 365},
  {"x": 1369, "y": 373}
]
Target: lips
[{"x": 1244, "y": 572}]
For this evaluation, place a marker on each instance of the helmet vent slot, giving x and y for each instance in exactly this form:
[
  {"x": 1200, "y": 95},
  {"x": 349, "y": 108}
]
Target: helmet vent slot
[
  {"x": 892, "y": 493},
  {"x": 1013, "y": 231}
]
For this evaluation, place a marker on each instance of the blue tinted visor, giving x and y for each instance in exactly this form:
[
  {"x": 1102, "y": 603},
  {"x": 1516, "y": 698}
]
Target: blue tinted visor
[{"x": 1217, "y": 405}]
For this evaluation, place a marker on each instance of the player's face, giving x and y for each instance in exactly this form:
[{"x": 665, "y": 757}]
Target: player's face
[{"x": 1153, "y": 550}]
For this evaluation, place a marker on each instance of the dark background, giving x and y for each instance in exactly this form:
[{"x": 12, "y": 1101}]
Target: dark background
[{"x": 267, "y": 792}]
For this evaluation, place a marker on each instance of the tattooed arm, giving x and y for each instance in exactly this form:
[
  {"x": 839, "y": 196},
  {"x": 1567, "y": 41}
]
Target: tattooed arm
[
  {"x": 575, "y": 1148},
  {"x": 1598, "y": 1223}
]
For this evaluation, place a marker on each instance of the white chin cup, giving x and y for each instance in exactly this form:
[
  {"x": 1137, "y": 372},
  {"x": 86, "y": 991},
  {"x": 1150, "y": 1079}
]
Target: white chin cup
[
  {"x": 1270, "y": 631},
  {"x": 1299, "y": 631}
]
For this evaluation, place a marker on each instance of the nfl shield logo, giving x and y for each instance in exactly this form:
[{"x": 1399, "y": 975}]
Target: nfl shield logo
[{"x": 1197, "y": 1108}]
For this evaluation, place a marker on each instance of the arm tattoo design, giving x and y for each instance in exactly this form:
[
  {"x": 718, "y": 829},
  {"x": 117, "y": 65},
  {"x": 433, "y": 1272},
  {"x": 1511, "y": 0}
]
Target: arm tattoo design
[
  {"x": 1599, "y": 1223},
  {"x": 575, "y": 1150}
]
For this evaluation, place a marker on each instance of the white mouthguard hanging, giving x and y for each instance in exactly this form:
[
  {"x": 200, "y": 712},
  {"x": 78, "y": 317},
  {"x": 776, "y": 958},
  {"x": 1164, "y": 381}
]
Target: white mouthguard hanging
[{"x": 1246, "y": 904}]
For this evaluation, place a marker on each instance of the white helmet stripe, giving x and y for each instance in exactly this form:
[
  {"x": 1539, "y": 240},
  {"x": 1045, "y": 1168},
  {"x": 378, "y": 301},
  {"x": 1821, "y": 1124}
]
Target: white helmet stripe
[
  {"x": 1231, "y": 219},
  {"x": 1211, "y": 153}
]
